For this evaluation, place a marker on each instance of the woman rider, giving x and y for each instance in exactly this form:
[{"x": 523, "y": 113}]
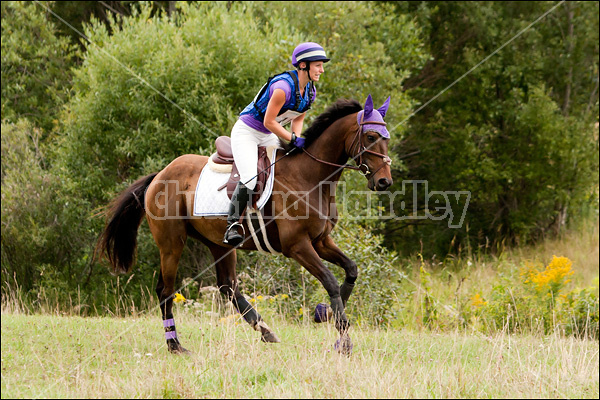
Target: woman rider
[{"x": 283, "y": 99}]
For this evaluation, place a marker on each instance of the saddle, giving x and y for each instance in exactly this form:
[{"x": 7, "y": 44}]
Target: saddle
[{"x": 223, "y": 160}]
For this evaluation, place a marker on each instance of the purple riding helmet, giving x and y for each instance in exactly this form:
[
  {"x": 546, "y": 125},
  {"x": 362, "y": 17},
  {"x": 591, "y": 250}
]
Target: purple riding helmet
[{"x": 307, "y": 52}]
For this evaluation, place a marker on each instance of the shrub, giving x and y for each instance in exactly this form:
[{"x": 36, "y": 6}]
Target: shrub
[
  {"x": 36, "y": 65},
  {"x": 208, "y": 61},
  {"x": 534, "y": 301},
  {"x": 373, "y": 300},
  {"x": 579, "y": 312}
]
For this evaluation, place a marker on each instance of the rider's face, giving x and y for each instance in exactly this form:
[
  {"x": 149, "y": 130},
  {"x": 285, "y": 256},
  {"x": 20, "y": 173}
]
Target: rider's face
[{"x": 316, "y": 69}]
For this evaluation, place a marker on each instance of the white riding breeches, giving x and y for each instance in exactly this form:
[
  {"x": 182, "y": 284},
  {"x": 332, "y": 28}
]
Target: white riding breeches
[{"x": 244, "y": 145}]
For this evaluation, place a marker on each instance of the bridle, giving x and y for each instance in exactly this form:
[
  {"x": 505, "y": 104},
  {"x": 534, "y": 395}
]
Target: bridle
[{"x": 357, "y": 142}]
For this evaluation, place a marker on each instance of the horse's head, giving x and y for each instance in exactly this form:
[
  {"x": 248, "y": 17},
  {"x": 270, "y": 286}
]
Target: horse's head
[{"x": 370, "y": 146}]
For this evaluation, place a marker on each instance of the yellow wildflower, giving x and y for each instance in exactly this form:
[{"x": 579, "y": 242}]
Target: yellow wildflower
[
  {"x": 529, "y": 272},
  {"x": 564, "y": 298},
  {"x": 477, "y": 301},
  {"x": 552, "y": 278},
  {"x": 260, "y": 298},
  {"x": 178, "y": 298}
]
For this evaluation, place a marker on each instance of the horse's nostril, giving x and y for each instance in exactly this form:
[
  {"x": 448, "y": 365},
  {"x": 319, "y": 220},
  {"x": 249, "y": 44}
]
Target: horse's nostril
[{"x": 383, "y": 183}]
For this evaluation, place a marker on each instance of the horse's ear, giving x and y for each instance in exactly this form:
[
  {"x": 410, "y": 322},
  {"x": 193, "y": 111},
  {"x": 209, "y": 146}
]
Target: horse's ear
[
  {"x": 368, "y": 106},
  {"x": 383, "y": 109}
]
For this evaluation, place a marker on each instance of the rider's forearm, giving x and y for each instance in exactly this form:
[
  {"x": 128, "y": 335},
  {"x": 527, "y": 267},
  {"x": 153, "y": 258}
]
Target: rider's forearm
[
  {"x": 297, "y": 125},
  {"x": 278, "y": 130}
]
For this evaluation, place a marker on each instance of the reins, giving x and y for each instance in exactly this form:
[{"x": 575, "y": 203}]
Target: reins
[
  {"x": 386, "y": 159},
  {"x": 330, "y": 163}
]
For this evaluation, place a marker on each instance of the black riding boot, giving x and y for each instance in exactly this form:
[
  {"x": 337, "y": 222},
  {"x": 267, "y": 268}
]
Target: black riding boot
[{"x": 239, "y": 202}]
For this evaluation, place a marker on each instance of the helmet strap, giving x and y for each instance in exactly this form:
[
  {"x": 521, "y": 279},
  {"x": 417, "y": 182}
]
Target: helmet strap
[{"x": 307, "y": 69}]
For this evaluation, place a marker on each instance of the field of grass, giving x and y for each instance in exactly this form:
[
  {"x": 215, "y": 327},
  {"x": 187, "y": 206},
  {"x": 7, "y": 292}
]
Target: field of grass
[
  {"x": 451, "y": 283},
  {"x": 64, "y": 356},
  {"x": 52, "y": 352}
]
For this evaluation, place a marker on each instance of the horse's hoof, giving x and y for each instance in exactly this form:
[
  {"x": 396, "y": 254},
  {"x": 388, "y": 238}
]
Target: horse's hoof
[
  {"x": 270, "y": 337},
  {"x": 322, "y": 313},
  {"x": 344, "y": 345},
  {"x": 266, "y": 335},
  {"x": 179, "y": 350}
]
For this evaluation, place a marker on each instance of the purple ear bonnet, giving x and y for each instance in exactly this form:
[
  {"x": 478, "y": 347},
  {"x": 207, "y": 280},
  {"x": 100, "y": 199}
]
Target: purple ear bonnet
[{"x": 375, "y": 115}]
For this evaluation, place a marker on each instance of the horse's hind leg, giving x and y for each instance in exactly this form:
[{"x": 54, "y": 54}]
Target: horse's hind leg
[
  {"x": 170, "y": 243},
  {"x": 225, "y": 260}
]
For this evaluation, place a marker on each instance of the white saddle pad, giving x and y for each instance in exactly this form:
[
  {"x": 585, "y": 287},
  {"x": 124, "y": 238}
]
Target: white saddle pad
[{"x": 208, "y": 201}]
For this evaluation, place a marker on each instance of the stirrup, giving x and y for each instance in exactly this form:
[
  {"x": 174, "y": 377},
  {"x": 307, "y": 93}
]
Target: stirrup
[{"x": 235, "y": 224}]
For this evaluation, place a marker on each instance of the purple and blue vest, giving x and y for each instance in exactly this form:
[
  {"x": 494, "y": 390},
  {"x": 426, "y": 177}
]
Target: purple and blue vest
[{"x": 258, "y": 107}]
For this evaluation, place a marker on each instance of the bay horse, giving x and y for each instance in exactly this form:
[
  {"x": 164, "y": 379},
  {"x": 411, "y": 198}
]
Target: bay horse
[{"x": 306, "y": 178}]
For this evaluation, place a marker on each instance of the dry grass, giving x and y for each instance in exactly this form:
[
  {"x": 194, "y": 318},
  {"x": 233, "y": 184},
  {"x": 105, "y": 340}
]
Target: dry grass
[
  {"x": 453, "y": 281},
  {"x": 57, "y": 355},
  {"x": 581, "y": 247},
  {"x": 51, "y": 356}
]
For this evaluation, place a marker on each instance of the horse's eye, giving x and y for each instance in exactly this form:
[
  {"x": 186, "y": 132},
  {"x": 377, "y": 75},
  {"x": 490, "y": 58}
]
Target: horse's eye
[{"x": 371, "y": 138}]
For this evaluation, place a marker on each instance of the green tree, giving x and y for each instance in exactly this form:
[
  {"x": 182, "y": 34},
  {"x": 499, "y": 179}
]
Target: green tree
[
  {"x": 36, "y": 65},
  {"x": 372, "y": 50},
  {"x": 514, "y": 132},
  {"x": 150, "y": 88},
  {"x": 36, "y": 78},
  {"x": 40, "y": 234}
]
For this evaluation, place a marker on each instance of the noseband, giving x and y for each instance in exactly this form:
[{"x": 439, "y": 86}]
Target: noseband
[{"x": 357, "y": 142}]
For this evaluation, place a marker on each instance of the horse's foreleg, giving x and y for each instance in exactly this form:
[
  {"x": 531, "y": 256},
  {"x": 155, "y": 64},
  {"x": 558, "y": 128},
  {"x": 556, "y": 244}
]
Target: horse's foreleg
[
  {"x": 307, "y": 256},
  {"x": 227, "y": 281},
  {"x": 328, "y": 251}
]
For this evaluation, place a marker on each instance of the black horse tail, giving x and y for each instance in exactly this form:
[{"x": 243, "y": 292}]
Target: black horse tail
[{"x": 118, "y": 241}]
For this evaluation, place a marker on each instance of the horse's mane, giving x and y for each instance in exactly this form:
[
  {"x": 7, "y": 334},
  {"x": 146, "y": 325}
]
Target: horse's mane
[{"x": 337, "y": 110}]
